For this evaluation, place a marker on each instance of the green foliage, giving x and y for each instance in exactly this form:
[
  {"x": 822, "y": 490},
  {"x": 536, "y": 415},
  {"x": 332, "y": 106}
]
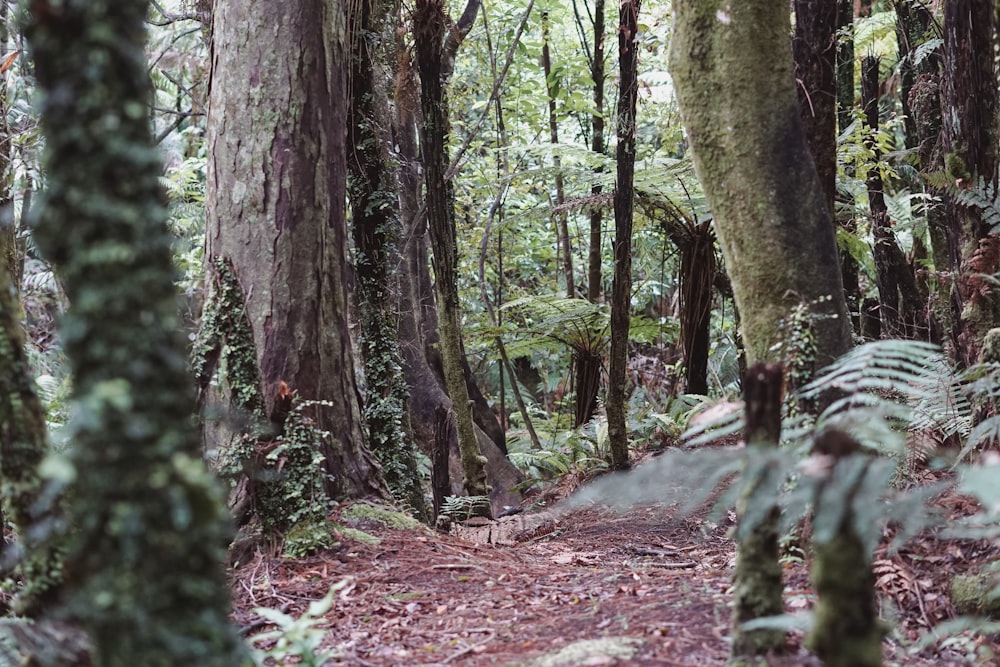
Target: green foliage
[
  {"x": 463, "y": 508},
  {"x": 225, "y": 341},
  {"x": 981, "y": 196},
  {"x": 288, "y": 478},
  {"x": 308, "y": 536},
  {"x": 297, "y": 641},
  {"x": 185, "y": 187}
]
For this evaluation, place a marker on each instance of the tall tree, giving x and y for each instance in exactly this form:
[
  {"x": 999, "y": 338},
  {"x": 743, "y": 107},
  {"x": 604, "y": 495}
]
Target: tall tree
[
  {"x": 754, "y": 164},
  {"x": 418, "y": 321},
  {"x": 621, "y": 291},
  {"x": 146, "y": 548},
  {"x": 565, "y": 248},
  {"x": 436, "y": 48},
  {"x": 814, "y": 49},
  {"x": 969, "y": 96},
  {"x": 276, "y": 215},
  {"x": 845, "y": 114},
  {"x": 376, "y": 227},
  {"x": 589, "y": 362}
]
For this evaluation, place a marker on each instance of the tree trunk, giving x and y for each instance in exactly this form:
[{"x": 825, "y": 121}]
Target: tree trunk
[
  {"x": 10, "y": 259},
  {"x": 757, "y": 586},
  {"x": 849, "y": 269},
  {"x": 696, "y": 277},
  {"x": 969, "y": 94},
  {"x": 418, "y": 315},
  {"x": 588, "y": 366},
  {"x": 146, "y": 548},
  {"x": 376, "y": 228},
  {"x": 751, "y": 156},
  {"x": 562, "y": 228},
  {"x": 621, "y": 297},
  {"x": 276, "y": 192},
  {"x": 814, "y": 49},
  {"x": 23, "y": 446},
  {"x": 433, "y": 60},
  {"x": 846, "y": 631},
  {"x": 900, "y": 304}
]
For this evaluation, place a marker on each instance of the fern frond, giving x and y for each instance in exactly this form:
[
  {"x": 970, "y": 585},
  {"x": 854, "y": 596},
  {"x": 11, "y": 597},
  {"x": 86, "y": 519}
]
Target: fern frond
[{"x": 901, "y": 367}]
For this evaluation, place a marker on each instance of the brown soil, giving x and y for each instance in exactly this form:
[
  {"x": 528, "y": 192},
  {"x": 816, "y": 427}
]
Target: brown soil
[{"x": 425, "y": 598}]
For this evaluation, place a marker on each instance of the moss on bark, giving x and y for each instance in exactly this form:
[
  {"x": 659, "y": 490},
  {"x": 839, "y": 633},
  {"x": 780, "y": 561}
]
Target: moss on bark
[
  {"x": 732, "y": 68},
  {"x": 144, "y": 562}
]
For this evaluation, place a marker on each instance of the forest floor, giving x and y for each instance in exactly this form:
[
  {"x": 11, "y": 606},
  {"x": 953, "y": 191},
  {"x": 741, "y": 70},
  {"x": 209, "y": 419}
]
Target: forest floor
[{"x": 652, "y": 589}]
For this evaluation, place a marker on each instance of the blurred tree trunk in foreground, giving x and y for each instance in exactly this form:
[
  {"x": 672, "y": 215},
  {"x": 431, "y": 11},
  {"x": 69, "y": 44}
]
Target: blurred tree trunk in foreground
[{"x": 144, "y": 559}]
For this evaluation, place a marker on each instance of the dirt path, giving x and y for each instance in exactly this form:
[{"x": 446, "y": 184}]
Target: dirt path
[{"x": 653, "y": 587}]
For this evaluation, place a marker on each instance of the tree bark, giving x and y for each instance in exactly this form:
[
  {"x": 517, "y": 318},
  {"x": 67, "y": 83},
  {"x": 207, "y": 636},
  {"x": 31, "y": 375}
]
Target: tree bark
[
  {"x": 757, "y": 585},
  {"x": 900, "y": 304},
  {"x": 418, "y": 330},
  {"x": 434, "y": 63},
  {"x": 587, "y": 380},
  {"x": 276, "y": 193},
  {"x": 814, "y": 50},
  {"x": 146, "y": 548},
  {"x": 969, "y": 94},
  {"x": 754, "y": 164},
  {"x": 621, "y": 297},
  {"x": 376, "y": 230},
  {"x": 562, "y": 227},
  {"x": 849, "y": 269}
]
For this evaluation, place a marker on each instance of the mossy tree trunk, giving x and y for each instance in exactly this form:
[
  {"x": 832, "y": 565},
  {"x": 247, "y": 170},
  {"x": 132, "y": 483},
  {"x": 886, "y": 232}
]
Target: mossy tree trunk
[
  {"x": 846, "y": 629},
  {"x": 10, "y": 256},
  {"x": 376, "y": 229},
  {"x": 23, "y": 445},
  {"x": 275, "y": 200},
  {"x": 146, "y": 548},
  {"x": 732, "y": 69},
  {"x": 436, "y": 47},
  {"x": 757, "y": 585},
  {"x": 969, "y": 99},
  {"x": 621, "y": 290}
]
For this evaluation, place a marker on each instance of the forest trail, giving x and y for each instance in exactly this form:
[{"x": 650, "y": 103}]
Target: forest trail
[{"x": 652, "y": 586}]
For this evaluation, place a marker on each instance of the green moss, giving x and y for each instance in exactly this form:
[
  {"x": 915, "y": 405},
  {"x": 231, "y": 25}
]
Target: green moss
[
  {"x": 363, "y": 512},
  {"x": 309, "y": 536},
  {"x": 975, "y": 594},
  {"x": 225, "y": 341},
  {"x": 358, "y": 535}
]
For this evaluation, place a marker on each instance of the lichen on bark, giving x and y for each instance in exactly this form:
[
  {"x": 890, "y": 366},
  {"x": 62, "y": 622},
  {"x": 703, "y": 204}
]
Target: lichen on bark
[
  {"x": 146, "y": 551},
  {"x": 732, "y": 70}
]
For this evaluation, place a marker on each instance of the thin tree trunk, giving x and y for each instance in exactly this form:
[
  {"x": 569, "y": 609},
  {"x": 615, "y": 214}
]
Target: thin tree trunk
[
  {"x": 814, "y": 49},
  {"x": 757, "y": 585},
  {"x": 621, "y": 297},
  {"x": 376, "y": 228},
  {"x": 433, "y": 58},
  {"x": 147, "y": 544},
  {"x": 900, "y": 304},
  {"x": 587, "y": 381},
  {"x": 849, "y": 268},
  {"x": 418, "y": 329},
  {"x": 562, "y": 228}
]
